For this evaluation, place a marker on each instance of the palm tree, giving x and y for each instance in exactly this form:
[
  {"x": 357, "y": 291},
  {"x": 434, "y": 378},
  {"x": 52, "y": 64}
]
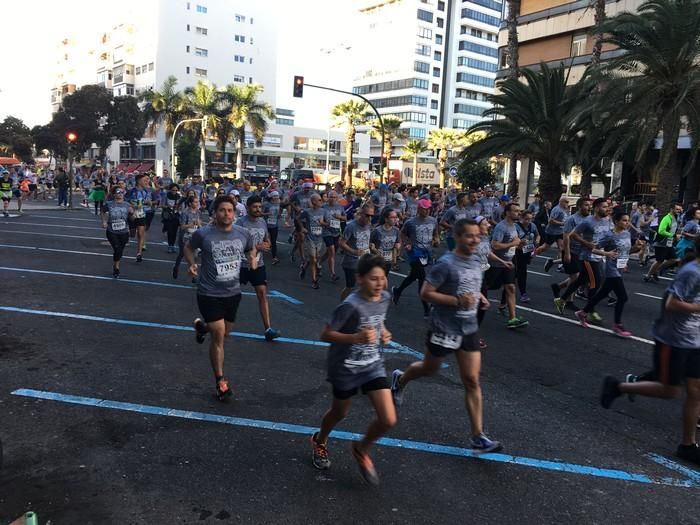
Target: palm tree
[
  {"x": 655, "y": 83},
  {"x": 444, "y": 140},
  {"x": 350, "y": 114},
  {"x": 165, "y": 107},
  {"x": 599, "y": 17},
  {"x": 411, "y": 150},
  {"x": 247, "y": 110},
  {"x": 512, "y": 56},
  {"x": 202, "y": 102},
  {"x": 538, "y": 119},
  {"x": 392, "y": 132}
]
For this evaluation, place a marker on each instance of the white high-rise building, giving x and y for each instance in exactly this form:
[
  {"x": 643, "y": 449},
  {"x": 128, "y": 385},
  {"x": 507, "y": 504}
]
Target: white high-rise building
[{"x": 430, "y": 62}]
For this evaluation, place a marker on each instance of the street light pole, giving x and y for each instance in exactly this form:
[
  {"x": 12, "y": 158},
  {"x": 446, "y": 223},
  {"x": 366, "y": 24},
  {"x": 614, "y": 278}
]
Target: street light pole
[
  {"x": 172, "y": 143},
  {"x": 202, "y": 150}
]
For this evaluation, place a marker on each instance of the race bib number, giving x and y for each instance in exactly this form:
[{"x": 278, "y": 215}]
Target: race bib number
[
  {"x": 622, "y": 262},
  {"x": 119, "y": 224},
  {"x": 453, "y": 342},
  {"x": 316, "y": 230},
  {"x": 228, "y": 271},
  {"x": 335, "y": 224},
  {"x": 511, "y": 252},
  {"x": 669, "y": 242},
  {"x": 485, "y": 266},
  {"x": 272, "y": 221},
  {"x": 423, "y": 261},
  {"x": 171, "y": 202},
  {"x": 387, "y": 255},
  {"x": 139, "y": 213},
  {"x": 528, "y": 248}
]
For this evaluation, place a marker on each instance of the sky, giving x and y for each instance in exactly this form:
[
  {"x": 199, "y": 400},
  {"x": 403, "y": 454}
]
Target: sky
[{"x": 37, "y": 26}]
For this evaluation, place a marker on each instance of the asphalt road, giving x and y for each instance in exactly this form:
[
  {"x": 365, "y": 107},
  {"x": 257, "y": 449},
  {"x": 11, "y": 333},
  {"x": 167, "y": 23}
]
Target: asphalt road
[{"x": 107, "y": 412}]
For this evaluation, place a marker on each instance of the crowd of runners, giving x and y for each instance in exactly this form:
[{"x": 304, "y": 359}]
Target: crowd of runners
[{"x": 457, "y": 246}]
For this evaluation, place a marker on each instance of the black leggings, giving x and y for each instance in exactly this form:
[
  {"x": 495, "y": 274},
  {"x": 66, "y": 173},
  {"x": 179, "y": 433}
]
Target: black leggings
[
  {"x": 273, "y": 241},
  {"x": 522, "y": 260},
  {"x": 171, "y": 228},
  {"x": 98, "y": 207},
  {"x": 591, "y": 273},
  {"x": 611, "y": 284},
  {"x": 118, "y": 242},
  {"x": 417, "y": 273}
]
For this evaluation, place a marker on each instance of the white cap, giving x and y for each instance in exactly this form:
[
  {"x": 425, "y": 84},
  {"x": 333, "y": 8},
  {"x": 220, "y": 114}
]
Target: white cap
[
  {"x": 234, "y": 192},
  {"x": 398, "y": 197}
]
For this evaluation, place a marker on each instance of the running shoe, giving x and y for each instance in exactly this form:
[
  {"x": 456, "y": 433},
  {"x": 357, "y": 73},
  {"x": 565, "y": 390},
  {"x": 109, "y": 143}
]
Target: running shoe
[
  {"x": 275, "y": 260},
  {"x": 559, "y": 305},
  {"x": 655, "y": 277},
  {"x": 612, "y": 301},
  {"x": 580, "y": 295},
  {"x": 139, "y": 257},
  {"x": 315, "y": 285},
  {"x": 319, "y": 454},
  {"x": 631, "y": 378},
  {"x": 6, "y": 214},
  {"x": 516, "y": 322},
  {"x": 271, "y": 334},
  {"x": 115, "y": 273},
  {"x": 620, "y": 331},
  {"x": 609, "y": 392},
  {"x": 144, "y": 247},
  {"x": 482, "y": 344},
  {"x": 223, "y": 389},
  {"x": 302, "y": 272},
  {"x": 199, "y": 330},
  {"x": 560, "y": 268},
  {"x": 367, "y": 469},
  {"x": 595, "y": 318},
  {"x": 395, "y": 295},
  {"x": 689, "y": 453},
  {"x": 582, "y": 318},
  {"x": 524, "y": 298},
  {"x": 319, "y": 271},
  {"x": 396, "y": 388},
  {"x": 482, "y": 443},
  {"x": 548, "y": 264},
  {"x": 502, "y": 309},
  {"x": 334, "y": 277},
  {"x": 555, "y": 290},
  {"x": 176, "y": 271}
]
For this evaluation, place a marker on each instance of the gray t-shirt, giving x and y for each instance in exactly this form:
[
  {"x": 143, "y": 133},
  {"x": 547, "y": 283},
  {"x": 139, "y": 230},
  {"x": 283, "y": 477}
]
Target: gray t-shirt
[
  {"x": 473, "y": 210},
  {"x": 411, "y": 207},
  {"x": 351, "y": 366},
  {"x": 592, "y": 230},
  {"x": 504, "y": 232},
  {"x": 452, "y": 215},
  {"x": 571, "y": 223},
  {"x": 483, "y": 251},
  {"x": 487, "y": 205},
  {"x": 117, "y": 215},
  {"x": 558, "y": 214},
  {"x": 273, "y": 219},
  {"x": 332, "y": 228},
  {"x": 357, "y": 237},
  {"x": 621, "y": 243},
  {"x": 677, "y": 329},
  {"x": 384, "y": 241},
  {"x": 312, "y": 220},
  {"x": 419, "y": 232},
  {"x": 257, "y": 227},
  {"x": 455, "y": 275},
  {"x": 219, "y": 273},
  {"x": 691, "y": 227}
]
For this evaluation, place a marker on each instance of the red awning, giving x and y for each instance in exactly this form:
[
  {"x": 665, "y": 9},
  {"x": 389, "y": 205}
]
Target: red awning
[{"x": 7, "y": 161}]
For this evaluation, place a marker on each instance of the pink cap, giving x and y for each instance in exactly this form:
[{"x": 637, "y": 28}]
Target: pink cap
[{"x": 425, "y": 203}]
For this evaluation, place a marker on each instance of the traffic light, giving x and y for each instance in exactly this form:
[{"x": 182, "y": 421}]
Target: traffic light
[
  {"x": 298, "y": 86},
  {"x": 71, "y": 137}
]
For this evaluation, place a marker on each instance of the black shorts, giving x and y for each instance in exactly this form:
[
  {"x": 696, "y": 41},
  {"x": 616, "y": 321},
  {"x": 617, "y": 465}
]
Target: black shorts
[
  {"x": 496, "y": 277},
  {"x": 470, "y": 343},
  {"x": 673, "y": 365},
  {"x": 664, "y": 253},
  {"x": 32, "y": 187},
  {"x": 379, "y": 383},
  {"x": 552, "y": 238},
  {"x": 257, "y": 277},
  {"x": 135, "y": 223},
  {"x": 149, "y": 218},
  {"x": 331, "y": 241},
  {"x": 350, "y": 278},
  {"x": 572, "y": 267},
  {"x": 218, "y": 308}
]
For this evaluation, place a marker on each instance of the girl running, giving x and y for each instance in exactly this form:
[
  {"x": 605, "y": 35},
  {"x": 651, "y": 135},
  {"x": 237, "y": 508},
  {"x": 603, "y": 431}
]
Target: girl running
[{"x": 114, "y": 219}]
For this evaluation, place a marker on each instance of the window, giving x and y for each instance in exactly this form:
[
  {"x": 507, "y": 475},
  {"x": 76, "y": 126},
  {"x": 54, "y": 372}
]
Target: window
[
  {"x": 478, "y": 33},
  {"x": 437, "y": 56},
  {"x": 407, "y": 100},
  {"x": 481, "y": 17},
  {"x": 433, "y": 104},
  {"x": 423, "y": 50},
  {"x": 188, "y": 27},
  {"x": 138, "y": 70},
  {"x": 187, "y": 49},
  {"x": 478, "y": 48},
  {"x": 187, "y": 70},
  {"x": 426, "y": 16},
  {"x": 438, "y": 39},
  {"x": 239, "y": 38},
  {"x": 129, "y": 90},
  {"x": 578, "y": 45},
  {"x": 251, "y": 20},
  {"x": 391, "y": 86},
  {"x": 441, "y": 5},
  {"x": 459, "y": 123},
  {"x": 436, "y": 72},
  {"x": 188, "y": 6},
  {"x": 421, "y": 67},
  {"x": 477, "y": 64},
  {"x": 250, "y": 80},
  {"x": 424, "y": 32},
  {"x": 469, "y": 109},
  {"x": 151, "y": 66},
  {"x": 475, "y": 79},
  {"x": 240, "y": 18},
  {"x": 416, "y": 133},
  {"x": 201, "y": 52},
  {"x": 201, "y": 9},
  {"x": 239, "y": 58},
  {"x": 433, "y": 120},
  {"x": 202, "y": 31},
  {"x": 491, "y": 4},
  {"x": 440, "y": 22},
  {"x": 238, "y": 78},
  {"x": 200, "y": 72},
  {"x": 472, "y": 95},
  {"x": 409, "y": 116},
  {"x": 251, "y": 40},
  {"x": 436, "y": 88},
  {"x": 284, "y": 121}
]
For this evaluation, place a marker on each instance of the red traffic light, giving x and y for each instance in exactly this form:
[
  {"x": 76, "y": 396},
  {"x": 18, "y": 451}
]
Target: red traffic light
[
  {"x": 71, "y": 137},
  {"x": 298, "y": 86}
]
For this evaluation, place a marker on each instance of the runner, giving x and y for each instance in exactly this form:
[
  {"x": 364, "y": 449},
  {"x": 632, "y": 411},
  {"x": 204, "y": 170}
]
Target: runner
[
  {"x": 385, "y": 239},
  {"x": 676, "y": 356},
  {"x": 272, "y": 211},
  {"x": 527, "y": 232},
  {"x": 554, "y": 231},
  {"x": 312, "y": 221},
  {"x": 570, "y": 255},
  {"x": 140, "y": 198},
  {"x": 190, "y": 220},
  {"x": 453, "y": 287},
  {"x": 357, "y": 334},
  {"x": 618, "y": 244},
  {"x": 691, "y": 231},
  {"x": 419, "y": 235},
  {"x": 335, "y": 217},
  {"x": 355, "y": 243},
  {"x": 451, "y": 216},
  {"x": 115, "y": 216},
  {"x": 300, "y": 201},
  {"x": 222, "y": 246},
  {"x": 5, "y": 192},
  {"x": 664, "y": 253},
  {"x": 256, "y": 225},
  {"x": 169, "y": 215}
]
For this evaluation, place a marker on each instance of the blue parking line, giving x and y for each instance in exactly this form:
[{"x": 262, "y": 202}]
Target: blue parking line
[
  {"x": 391, "y": 348},
  {"x": 271, "y": 293},
  {"x": 406, "y": 444}
]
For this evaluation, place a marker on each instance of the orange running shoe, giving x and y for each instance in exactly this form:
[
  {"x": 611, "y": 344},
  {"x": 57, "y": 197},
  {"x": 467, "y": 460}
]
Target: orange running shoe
[{"x": 367, "y": 469}]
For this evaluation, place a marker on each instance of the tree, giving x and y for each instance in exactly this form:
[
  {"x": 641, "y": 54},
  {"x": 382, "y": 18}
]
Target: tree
[
  {"x": 476, "y": 174},
  {"x": 654, "y": 84},
  {"x": 187, "y": 151},
  {"x": 444, "y": 140},
  {"x": 86, "y": 113},
  {"x": 48, "y": 137},
  {"x": 350, "y": 114},
  {"x": 202, "y": 101},
  {"x": 512, "y": 55},
  {"x": 127, "y": 122},
  {"x": 599, "y": 17},
  {"x": 16, "y": 137},
  {"x": 392, "y": 132},
  {"x": 247, "y": 110},
  {"x": 165, "y": 107},
  {"x": 538, "y": 119},
  {"x": 411, "y": 150}
]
